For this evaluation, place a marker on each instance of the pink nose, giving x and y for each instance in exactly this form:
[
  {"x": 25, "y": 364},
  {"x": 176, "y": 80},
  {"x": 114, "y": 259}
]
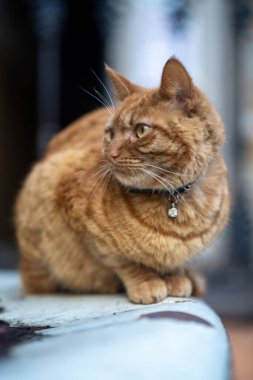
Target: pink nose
[{"x": 112, "y": 155}]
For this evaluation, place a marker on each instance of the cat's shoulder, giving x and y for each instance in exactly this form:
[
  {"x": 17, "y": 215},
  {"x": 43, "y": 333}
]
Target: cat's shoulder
[{"x": 87, "y": 128}]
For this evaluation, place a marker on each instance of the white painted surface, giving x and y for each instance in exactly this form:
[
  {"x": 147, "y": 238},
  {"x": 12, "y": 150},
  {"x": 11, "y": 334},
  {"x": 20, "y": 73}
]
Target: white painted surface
[
  {"x": 103, "y": 337},
  {"x": 57, "y": 310}
]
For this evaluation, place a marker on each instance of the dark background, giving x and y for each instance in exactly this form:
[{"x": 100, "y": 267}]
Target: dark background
[{"x": 46, "y": 51}]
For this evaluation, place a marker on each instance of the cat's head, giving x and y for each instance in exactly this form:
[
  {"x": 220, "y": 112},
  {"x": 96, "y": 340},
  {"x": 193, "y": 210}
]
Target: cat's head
[{"x": 161, "y": 138}]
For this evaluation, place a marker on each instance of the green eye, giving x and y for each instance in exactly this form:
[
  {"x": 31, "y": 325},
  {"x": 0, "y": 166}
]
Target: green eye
[{"x": 142, "y": 130}]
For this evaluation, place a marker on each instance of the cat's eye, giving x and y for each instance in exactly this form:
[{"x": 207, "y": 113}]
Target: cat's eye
[
  {"x": 142, "y": 130},
  {"x": 110, "y": 133}
]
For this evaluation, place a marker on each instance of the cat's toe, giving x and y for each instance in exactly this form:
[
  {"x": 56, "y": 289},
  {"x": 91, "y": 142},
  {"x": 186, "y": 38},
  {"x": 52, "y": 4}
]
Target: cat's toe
[
  {"x": 178, "y": 286},
  {"x": 148, "y": 292}
]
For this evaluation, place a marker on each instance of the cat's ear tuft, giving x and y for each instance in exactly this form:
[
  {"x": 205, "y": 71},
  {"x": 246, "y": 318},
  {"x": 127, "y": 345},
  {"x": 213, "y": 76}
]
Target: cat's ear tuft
[
  {"x": 177, "y": 84},
  {"x": 123, "y": 87}
]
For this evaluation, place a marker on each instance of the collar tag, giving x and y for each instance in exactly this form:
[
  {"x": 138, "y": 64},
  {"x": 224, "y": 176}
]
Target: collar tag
[
  {"x": 173, "y": 211},
  {"x": 173, "y": 199}
]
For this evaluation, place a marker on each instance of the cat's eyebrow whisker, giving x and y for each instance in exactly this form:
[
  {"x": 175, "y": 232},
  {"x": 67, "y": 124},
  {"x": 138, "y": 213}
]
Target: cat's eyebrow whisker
[
  {"x": 103, "y": 99},
  {"x": 98, "y": 99},
  {"x": 104, "y": 86}
]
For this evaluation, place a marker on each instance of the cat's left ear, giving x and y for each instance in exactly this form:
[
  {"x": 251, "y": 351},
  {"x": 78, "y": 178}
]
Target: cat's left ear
[
  {"x": 176, "y": 84},
  {"x": 123, "y": 86}
]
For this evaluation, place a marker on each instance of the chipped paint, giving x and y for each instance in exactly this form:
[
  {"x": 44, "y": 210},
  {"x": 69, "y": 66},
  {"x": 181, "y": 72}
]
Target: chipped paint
[{"x": 10, "y": 336}]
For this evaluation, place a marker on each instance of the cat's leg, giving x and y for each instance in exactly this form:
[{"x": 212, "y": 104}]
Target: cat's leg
[
  {"x": 185, "y": 282},
  {"x": 142, "y": 284},
  {"x": 91, "y": 277},
  {"x": 178, "y": 284},
  {"x": 34, "y": 272},
  {"x": 71, "y": 264},
  {"x": 36, "y": 278},
  {"x": 57, "y": 260},
  {"x": 86, "y": 275}
]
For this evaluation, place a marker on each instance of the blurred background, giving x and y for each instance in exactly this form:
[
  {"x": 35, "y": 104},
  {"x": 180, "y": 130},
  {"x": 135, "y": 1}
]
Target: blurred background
[{"x": 47, "y": 51}]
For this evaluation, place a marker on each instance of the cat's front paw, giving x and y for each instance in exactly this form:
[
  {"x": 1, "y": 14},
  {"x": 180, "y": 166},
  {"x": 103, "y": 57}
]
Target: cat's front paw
[
  {"x": 178, "y": 285},
  {"x": 147, "y": 292}
]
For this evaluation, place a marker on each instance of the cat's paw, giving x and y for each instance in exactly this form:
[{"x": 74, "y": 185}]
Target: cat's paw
[
  {"x": 178, "y": 285},
  {"x": 147, "y": 292}
]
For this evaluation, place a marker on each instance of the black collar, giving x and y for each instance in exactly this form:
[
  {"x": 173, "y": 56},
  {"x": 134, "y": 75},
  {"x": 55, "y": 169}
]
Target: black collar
[{"x": 171, "y": 193}]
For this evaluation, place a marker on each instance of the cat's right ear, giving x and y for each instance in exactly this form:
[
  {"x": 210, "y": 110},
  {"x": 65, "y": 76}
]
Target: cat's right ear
[
  {"x": 123, "y": 87},
  {"x": 176, "y": 84}
]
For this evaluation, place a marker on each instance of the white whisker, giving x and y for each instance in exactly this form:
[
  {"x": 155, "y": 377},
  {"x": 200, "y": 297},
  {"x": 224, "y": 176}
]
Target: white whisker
[
  {"x": 98, "y": 170},
  {"x": 159, "y": 179},
  {"x": 167, "y": 171},
  {"x": 106, "y": 182},
  {"x": 98, "y": 99},
  {"x": 103, "y": 99},
  {"x": 104, "y": 88},
  {"x": 168, "y": 183},
  {"x": 99, "y": 181}
]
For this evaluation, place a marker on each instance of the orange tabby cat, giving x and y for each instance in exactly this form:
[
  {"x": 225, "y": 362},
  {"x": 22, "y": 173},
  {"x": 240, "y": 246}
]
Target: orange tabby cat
[{"x": 127, "y": 197}]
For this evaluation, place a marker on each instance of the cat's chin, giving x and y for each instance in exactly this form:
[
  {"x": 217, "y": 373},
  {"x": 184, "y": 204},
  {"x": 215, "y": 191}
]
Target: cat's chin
[
  {"x": 130, "y": 180},
  {"x": 127, "y": 180}
]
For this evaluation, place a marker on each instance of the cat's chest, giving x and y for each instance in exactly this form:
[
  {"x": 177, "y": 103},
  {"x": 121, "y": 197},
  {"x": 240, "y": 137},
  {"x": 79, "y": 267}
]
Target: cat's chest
[
  {"x": 142, "y": 214},
  {"x": 140, "y": 229},
  {"x": 140, "y": 223}
]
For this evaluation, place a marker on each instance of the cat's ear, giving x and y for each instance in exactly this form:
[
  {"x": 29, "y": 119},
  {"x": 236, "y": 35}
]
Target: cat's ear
[
  {"x": 177, "y": 84},
  {"x": 123, "y": 87}
]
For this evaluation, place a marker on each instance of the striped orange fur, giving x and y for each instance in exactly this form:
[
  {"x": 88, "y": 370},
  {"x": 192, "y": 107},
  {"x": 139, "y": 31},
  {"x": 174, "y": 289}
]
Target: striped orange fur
[{"x": 80, "y": 229}]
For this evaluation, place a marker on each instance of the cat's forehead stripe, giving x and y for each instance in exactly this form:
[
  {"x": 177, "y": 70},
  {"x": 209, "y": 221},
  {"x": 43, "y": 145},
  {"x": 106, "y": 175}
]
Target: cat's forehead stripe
[
  {"x": 126, "y": 116},
  {"x": 129, "y": 112}
]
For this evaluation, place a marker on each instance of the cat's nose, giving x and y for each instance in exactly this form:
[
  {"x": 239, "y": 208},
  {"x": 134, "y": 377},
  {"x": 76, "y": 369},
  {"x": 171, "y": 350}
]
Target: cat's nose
[{"x": 112, "y": 155}]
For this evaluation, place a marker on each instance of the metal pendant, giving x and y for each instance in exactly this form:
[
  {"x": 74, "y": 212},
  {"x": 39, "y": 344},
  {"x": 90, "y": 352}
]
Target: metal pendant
[{"x": 172, "y": 212}]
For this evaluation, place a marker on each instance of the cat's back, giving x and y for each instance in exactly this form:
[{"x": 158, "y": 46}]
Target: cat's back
[
  {"x": 85, "y": 132},
  {"x": 77, "y": 146}
]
